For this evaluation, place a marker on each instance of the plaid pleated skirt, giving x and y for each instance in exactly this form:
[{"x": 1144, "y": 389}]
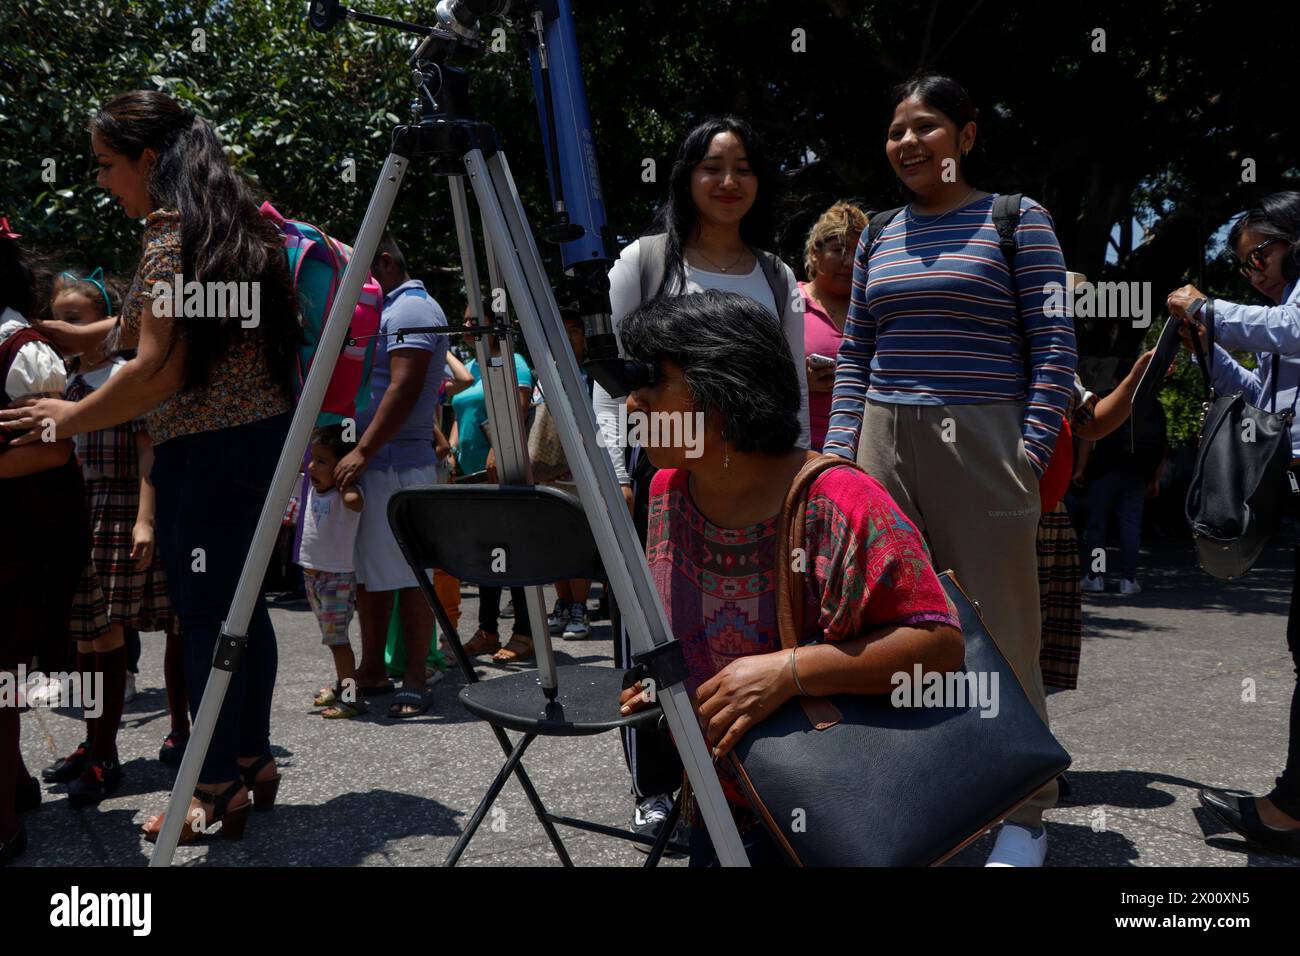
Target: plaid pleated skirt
[
  {"x": 111, "y": 590},
  {"x": 1060, "y": 599}
]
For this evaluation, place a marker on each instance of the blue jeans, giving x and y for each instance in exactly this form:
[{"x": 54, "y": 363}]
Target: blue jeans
[
  {"x": 1124, "y": 494},
  {"x": 210, "y": 489}
]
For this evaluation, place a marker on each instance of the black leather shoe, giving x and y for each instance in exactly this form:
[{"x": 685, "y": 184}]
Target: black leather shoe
[
  {"x": 15, "y": 846},
  {"x": 172, "y": 750},
  {"x": 97, "y": 783},
  {"x": 70, "y": 767},
  {"x": 28, "y": 796},
  {"x": 1239, "y": 813}
]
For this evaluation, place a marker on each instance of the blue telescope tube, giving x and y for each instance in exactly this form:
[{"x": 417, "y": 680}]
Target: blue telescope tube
[{"x": 584, "y": 201}]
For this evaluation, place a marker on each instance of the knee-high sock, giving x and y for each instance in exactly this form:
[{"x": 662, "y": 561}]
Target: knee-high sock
[
  {"x": 174, "y": 678},
  {"x": 86, "y": 668},
  {"x": 112, "y": 664},
  {"x": 9, "y": 759}
]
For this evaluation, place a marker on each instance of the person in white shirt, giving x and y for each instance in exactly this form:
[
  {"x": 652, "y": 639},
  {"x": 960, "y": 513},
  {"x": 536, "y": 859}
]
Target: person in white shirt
[{"x": 330, "y": 519}]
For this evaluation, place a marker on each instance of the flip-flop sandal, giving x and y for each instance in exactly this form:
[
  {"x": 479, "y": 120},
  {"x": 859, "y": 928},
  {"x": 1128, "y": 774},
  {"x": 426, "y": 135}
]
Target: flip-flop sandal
[
  {"x": 378, "y": 690},
  {"x": 408, "y": 698},
  {"x": 482, "y": 643},
  {"x": 343, "y": 710},
  {"x": 328, "y": 696},
  {"x": 520, "y": 648}
]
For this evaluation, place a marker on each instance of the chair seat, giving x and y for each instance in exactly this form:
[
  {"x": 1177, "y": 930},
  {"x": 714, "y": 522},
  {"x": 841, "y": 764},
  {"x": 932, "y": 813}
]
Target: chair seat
[{"x": 586, "y": 704}]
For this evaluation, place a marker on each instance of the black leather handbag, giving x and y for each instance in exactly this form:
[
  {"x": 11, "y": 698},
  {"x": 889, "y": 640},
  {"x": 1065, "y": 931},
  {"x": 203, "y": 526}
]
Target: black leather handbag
[
  {"x": 1239, "y": 487},
  {"x": 852, "y": 780}
]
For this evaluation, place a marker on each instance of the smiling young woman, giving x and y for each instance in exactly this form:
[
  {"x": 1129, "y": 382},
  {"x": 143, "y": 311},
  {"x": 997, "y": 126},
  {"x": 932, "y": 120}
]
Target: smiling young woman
[
  {"x": 710, "y": 234},
  {"x": 952, "y": 381}
]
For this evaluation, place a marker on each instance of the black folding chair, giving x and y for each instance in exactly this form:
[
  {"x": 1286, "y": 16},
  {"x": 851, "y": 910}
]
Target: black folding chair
[{"x": 519, "y": 536}]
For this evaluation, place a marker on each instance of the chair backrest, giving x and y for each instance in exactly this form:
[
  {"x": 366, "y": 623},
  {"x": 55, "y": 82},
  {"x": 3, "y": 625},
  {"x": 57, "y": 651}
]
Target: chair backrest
[{"x": 498, "y": 535}]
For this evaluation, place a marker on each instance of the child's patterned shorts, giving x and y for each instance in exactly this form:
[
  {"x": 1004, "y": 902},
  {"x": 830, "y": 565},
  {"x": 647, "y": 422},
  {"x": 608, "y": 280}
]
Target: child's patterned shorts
[{"x": 332, "y": 596}]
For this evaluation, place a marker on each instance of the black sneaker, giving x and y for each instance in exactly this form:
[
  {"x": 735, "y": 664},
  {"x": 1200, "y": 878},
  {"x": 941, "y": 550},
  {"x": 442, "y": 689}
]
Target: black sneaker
[
  {"x": 97, "y": 783},
  {"x": 70, "y": 767},
  {"x": 649, "y": 816}
]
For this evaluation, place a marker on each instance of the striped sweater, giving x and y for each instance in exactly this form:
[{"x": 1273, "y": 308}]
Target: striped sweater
[{"x": 934, "y": 321}]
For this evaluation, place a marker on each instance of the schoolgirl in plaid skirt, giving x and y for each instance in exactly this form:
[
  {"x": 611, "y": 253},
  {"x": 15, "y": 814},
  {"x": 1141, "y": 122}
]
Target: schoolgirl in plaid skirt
[{"x": 123, "y": 585}]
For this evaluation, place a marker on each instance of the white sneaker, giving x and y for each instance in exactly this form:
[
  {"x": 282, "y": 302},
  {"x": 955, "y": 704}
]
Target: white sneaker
[
  {"x": 131, "y": 692},
  {"x": 1019, "y": 846},
  {"x": 435, "y": 676},
  {"x": 1093, "y": 583},
  {"x": 1129, "y": 586}
]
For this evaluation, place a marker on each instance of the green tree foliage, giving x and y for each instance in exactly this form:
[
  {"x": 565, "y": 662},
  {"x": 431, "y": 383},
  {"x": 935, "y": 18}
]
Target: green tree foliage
[{"x": 1151, "y": 119}]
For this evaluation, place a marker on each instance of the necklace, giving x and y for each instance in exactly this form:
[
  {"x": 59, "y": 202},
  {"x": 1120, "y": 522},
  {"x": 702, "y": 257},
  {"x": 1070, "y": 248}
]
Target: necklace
[
  {"x": 721, "y": 268},
  {"x": 954, "y": 208}
]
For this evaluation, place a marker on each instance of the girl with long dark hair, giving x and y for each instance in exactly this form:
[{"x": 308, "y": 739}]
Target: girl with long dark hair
[
  {"x": 711, "y": 233},
  {"x": 1266, "y": 243},
  {"x": 215, "y": 393},
  {"x": 953, "y": 378}
]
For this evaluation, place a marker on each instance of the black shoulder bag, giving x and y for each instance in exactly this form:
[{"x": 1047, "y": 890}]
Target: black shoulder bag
[
  {"x": 853, "y": 780},
  {"x": 1238, "y": 491}
]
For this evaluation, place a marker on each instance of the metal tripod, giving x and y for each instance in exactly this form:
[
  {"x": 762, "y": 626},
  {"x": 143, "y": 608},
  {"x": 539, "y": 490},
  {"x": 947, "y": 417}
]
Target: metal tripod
[{"x": 465, "y": 149}]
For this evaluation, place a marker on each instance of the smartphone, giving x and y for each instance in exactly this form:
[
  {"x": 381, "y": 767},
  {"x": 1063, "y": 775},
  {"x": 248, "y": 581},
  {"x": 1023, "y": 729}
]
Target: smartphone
[{"x": 817, "y": 360}]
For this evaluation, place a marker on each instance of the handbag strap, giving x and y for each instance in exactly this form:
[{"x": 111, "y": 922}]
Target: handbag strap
[
  {"x": 790, "y": 534},
  {"x": 1203, "y": 357}
]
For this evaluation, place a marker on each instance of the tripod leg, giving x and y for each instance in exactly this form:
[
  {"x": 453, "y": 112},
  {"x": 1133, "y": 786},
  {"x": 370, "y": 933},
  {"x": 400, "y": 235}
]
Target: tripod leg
[
  {"x": 235, "y": 628},
  {"x": 611, "y": 526}
]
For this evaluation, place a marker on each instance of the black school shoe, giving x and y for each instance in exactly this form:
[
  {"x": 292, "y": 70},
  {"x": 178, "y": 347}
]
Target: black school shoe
[
  {"x": 1239, "y": 812},
  {"x": 173, "y": 746},
  {"x": 97, "y": 783},
  {"x": 28, "y": 796},
  {"x": 70, "y": 767}
]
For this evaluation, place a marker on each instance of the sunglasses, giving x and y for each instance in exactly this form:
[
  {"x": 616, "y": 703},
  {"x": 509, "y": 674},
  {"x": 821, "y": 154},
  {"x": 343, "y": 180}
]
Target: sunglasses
[{"x": 1254, "y": 261}]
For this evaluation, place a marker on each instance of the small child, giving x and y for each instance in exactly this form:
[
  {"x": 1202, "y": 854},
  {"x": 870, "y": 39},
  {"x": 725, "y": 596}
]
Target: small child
[
  {"x": 123, "y": 585},
  {"x": 329, "y": 529}
]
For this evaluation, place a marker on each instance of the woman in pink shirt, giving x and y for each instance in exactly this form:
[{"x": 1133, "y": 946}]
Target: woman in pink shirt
[{"x": 828, "y": 262}]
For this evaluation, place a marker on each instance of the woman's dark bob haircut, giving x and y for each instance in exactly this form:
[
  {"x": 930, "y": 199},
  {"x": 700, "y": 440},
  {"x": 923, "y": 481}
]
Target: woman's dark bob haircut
[
  {"x": 1276, "y": 216},
  {"x": 735, "y": 358}
]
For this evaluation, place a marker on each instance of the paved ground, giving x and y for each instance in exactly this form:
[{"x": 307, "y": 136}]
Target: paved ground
[{"x": 1159, "y": 713}]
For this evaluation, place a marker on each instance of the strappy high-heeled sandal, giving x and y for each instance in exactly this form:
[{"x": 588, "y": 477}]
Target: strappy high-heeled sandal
[
  {"x": 232, "y": 820},
  {"x": 263, "y": 791}
]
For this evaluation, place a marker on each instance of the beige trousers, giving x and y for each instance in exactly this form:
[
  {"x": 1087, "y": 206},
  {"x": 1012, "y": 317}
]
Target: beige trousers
[{"x": 960, "y": 473}]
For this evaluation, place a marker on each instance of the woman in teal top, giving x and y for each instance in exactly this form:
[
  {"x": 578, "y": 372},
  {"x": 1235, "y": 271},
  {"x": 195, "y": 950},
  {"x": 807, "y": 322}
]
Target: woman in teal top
[{"x": 468, "y": 442}]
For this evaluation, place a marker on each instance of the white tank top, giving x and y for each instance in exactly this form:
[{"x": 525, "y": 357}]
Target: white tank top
[{"x": 328, "y": 532}]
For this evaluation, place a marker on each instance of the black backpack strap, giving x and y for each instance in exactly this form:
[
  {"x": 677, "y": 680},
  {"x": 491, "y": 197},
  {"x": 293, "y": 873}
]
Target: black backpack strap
[
  {"x": 1006, "y": 219},
  {"x": 877, "y": 223}
]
